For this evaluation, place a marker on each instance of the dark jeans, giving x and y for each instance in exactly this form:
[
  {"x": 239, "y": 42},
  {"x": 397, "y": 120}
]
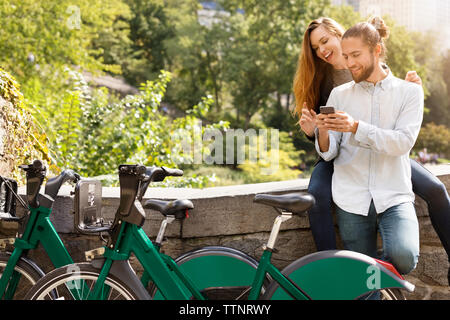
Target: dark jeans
[{"x": 425, "y": 185}]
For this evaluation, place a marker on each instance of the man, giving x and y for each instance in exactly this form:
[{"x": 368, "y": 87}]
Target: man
[{"x": 370, "y": 138}]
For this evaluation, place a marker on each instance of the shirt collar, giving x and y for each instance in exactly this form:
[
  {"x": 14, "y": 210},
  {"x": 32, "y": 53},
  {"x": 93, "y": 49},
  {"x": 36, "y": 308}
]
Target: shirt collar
[{"x": 383, "y": 84}]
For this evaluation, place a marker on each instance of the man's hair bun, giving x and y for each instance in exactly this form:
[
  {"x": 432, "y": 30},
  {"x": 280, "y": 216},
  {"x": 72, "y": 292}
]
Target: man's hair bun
[{"x": 380, "y": 26}]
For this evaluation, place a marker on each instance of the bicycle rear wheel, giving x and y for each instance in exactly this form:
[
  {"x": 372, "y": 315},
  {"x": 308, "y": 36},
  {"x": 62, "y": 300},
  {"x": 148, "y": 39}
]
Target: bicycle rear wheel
[
  {"x": 339, "y": 275},
  {"x": 29, "y": 276},
  {"x": 392, "y": 294},
  {"x": 221, "y": 273},
  {"x": 61, "y": 284}
]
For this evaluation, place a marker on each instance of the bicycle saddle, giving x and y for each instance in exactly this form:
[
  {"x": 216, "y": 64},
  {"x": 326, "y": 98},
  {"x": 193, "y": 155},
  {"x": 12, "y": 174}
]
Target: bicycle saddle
[
  {"x": 176, "y": 208},
  {"x": 293, "y": 202}
]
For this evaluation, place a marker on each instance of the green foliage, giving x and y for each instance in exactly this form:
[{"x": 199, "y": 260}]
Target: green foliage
[
  {"x": 402, "y": 54},
  {"x": 136, "y": 39},
  {"x": 10, "y": 88},
  {"x": 57, "y": 33},
  {"x": 260, "y": 59},
  {"x": 436, "y": 138},
  {"x": 438, "y": 102},
  {"x": 194, "y": 56},
  {"x": 39, "y": 39},
  {"x": 273, "y": 164},
  {"x": 94, "y": 136},
  {"x": 23, "y": 140},
  {"x": 346, "y": 16}
]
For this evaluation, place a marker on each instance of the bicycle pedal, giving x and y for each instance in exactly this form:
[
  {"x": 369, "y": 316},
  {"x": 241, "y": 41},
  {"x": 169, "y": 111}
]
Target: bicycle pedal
[
  {"x": 5, "y": 242},
  {"x": 93, "y": 254}
]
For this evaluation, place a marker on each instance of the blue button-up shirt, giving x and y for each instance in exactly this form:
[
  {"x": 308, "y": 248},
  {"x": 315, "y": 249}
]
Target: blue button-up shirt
[{"x": 374, "y": 164}]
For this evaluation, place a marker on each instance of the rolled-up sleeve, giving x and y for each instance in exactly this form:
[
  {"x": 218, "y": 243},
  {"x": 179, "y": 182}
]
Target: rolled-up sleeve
[
  {"x": 333, "y": 149},
  {"x": 401, "y": 139}
]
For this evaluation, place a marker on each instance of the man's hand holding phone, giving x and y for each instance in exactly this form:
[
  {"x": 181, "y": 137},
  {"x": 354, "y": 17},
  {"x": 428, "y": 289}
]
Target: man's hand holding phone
[
  {"x": 323, "y": 137},
  {"x": 333, "y": 120},
  {"x": 321, "y": 119}
]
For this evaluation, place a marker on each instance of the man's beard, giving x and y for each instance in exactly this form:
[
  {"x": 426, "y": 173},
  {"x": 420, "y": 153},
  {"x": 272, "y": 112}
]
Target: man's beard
[{"x": 366, "y": 74}]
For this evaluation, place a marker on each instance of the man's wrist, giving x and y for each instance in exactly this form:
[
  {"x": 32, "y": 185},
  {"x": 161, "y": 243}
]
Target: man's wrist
[
  {"x": 323, "y": 139},
  {"x": 355, "y": 127}
]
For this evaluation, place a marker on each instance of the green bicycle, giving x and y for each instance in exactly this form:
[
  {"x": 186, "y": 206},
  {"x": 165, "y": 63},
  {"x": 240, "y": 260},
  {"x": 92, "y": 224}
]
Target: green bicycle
[
  {"x": 18, "y": 273},
  {"x": 208, "y": 272}
]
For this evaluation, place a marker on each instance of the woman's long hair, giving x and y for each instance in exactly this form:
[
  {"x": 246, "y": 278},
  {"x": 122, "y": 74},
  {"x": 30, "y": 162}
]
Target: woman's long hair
[{"x": 311, "y": 70}]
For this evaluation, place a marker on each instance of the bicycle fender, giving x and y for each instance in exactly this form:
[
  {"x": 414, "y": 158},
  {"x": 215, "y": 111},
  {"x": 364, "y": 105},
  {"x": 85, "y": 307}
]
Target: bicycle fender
[
  {"x": 216, "y": 266},
  {"x": 337, "y": 275},
  {"x": 217, "y": 250},
  {"x": 33, "y": 265},
  {"x": 122, "y": 270}
]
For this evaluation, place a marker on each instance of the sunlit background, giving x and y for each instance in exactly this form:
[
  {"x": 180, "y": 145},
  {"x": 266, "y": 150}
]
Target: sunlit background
[{"x": 97, "y": 83}]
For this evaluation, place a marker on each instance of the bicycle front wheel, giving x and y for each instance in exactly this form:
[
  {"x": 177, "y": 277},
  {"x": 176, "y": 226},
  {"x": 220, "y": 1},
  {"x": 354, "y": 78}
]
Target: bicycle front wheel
[
  {"x": 220, "y": 273},
  {"x": 392, "y": 294},
  {"x": 25, "y": 276},
  {"x": 75, "y": 281}
]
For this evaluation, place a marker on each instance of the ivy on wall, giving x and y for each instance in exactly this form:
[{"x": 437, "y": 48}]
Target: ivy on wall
[{"x": 23, "y": 140}]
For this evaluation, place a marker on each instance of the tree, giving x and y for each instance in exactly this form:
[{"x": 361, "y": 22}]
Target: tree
[
  {"x": 39, "y": 39},
  {"x": 438, "y": 102},
  {"x": 95, "y": 135},
  {"x": 260, "y": 58},
  {"x": 436, "y": 138},
  {"x": 143, "y": 53},
  {"x": 52, "y": 33},
  {"x": 195, "y": 56}
]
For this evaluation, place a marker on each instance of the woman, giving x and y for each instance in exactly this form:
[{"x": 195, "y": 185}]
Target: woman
[{"x": 321, "y": 67}]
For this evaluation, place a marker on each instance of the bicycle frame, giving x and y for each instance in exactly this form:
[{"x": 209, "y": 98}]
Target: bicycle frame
[
  {"x": 132, "y": 239},
  {"x": 333, "y": 274},
  {"x": 174, "y": 284},
  {"x": 171, "y": 281},
  {"x": 38, "y": 229},
  {"x": 265, "y": 266}
]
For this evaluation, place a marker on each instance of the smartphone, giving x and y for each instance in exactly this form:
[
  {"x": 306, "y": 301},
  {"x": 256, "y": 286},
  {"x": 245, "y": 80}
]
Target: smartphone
[{"x": 327, "y": 109}]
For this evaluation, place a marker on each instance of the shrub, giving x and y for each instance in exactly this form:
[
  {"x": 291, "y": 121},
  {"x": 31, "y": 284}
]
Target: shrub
[{"x": 436, "y": 138}]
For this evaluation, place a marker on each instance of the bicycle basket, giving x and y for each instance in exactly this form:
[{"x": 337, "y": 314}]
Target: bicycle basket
[
  {"x": 88, "y": 207},
  {"x": 8, "y": 194}
]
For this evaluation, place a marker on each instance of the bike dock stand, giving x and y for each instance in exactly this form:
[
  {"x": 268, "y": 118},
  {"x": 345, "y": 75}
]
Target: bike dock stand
[{"x": 6, "y": 242}]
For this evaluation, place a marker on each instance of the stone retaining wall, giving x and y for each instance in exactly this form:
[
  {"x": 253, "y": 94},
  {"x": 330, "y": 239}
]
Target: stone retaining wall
[{"x": 227, "y": 216}]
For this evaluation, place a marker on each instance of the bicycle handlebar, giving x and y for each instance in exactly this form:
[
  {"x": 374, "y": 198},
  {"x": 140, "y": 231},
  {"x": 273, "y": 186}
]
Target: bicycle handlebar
[
  {"x": 173, "y": 172},
  {"x": 156, "y": 174},
  {"x": 35, "y": 174},
  {"x": 54, "y": 184}
]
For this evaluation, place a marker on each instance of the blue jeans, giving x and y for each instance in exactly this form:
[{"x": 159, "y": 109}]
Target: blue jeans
[
  {"x": 320, "y": 218},
  {"x": 425, "y": 185},
  {"x": 399, "y": 231}
]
